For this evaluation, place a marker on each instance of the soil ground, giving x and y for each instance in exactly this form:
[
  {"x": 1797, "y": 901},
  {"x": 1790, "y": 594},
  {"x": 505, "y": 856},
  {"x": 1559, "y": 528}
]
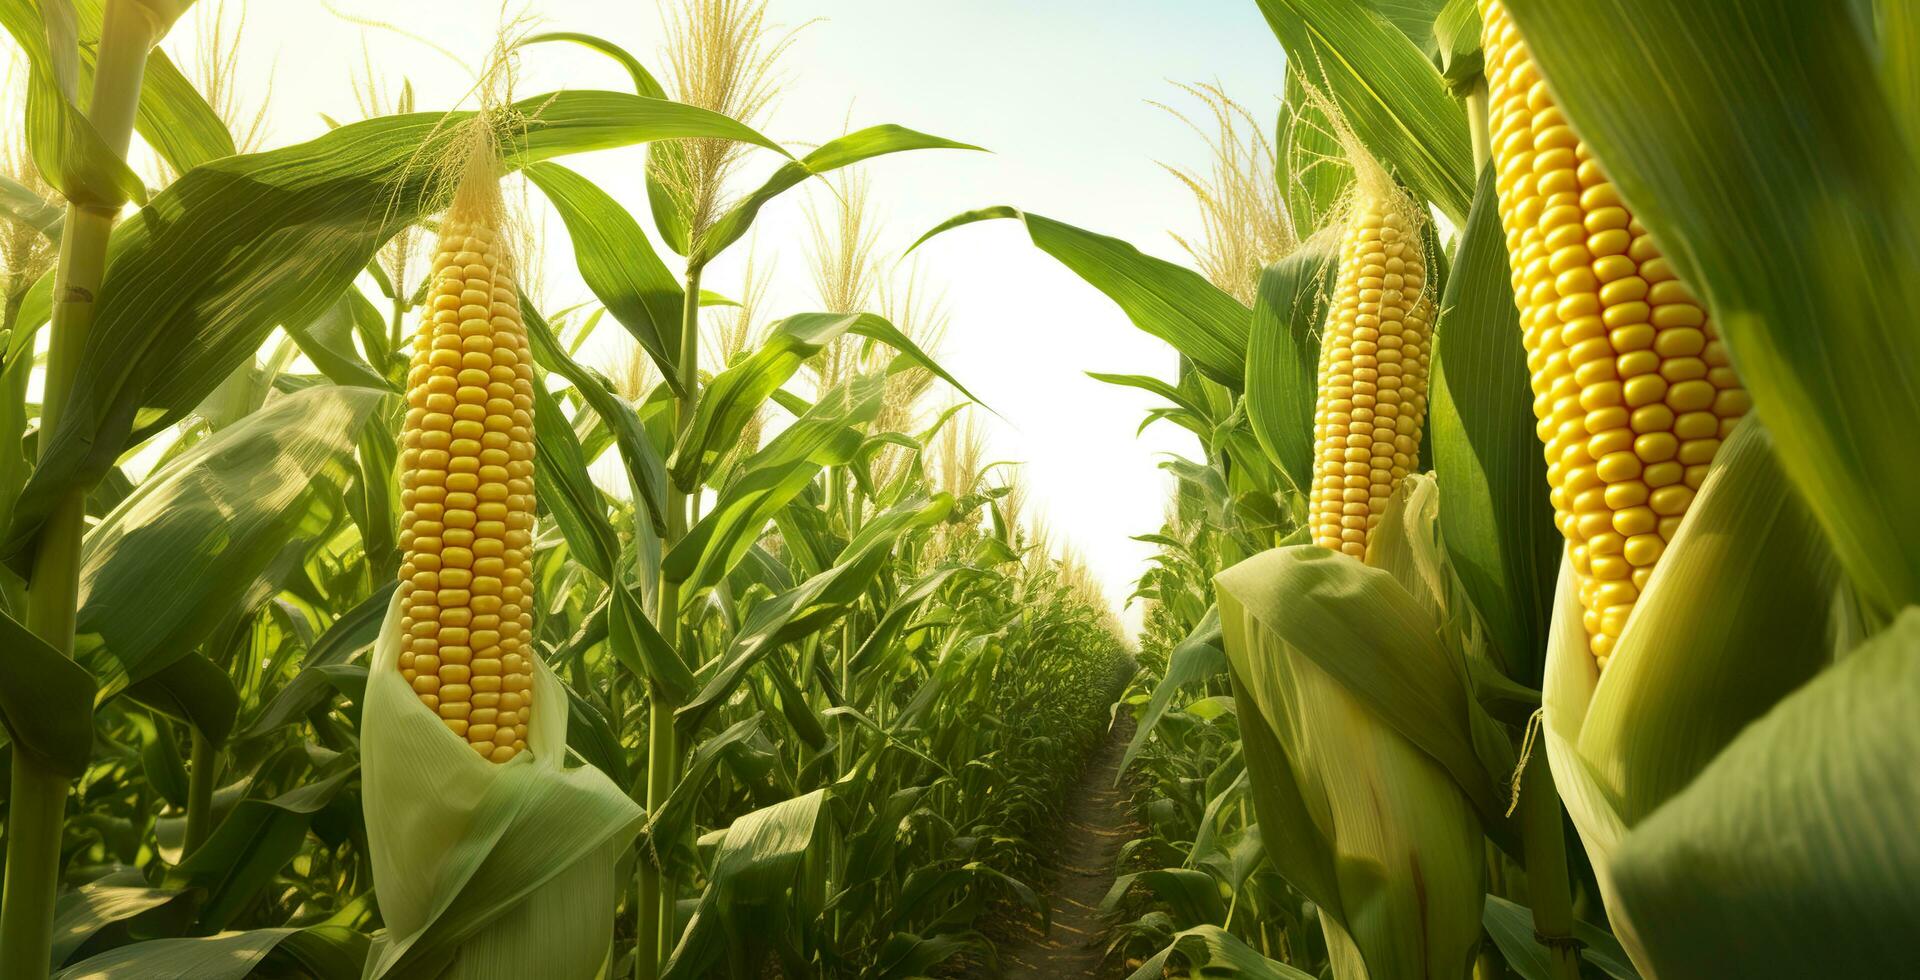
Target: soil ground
[{"x": 1077, "y": 872}]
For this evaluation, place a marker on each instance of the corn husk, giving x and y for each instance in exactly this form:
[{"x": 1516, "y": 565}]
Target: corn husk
[
  {"x": 485, "y": 870},
  {"x": 1740, "y": 611},
  {"x": 1370, "y": 763}
]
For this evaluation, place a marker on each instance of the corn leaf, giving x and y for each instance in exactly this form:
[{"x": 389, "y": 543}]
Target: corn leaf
[
  {"x": 1494, "y": 510},
  {"x": 248, "y": 848},
  {"x": 753, "y": 873},
  {"x": 1171, "y": 302},
  {"x": 646, "y": 472},
  {"x": 354, "y": 631},
  {"x": 1783, "y": 136},
  {"x": 193, "y": 689},
  {"x": 643, "y": 81},
  {"x": 618, "y": 264},
  {"x": 1209, "y": 949},
  {"x": 1283, "y": 353},
  {"x": 224, "y": 509},
  {"x": 1799, "y": 835},
  {"x": 47, "y": 702},
  {"x": 65, "y": 146},
  {"x": 770, "y": 479},
  {"x": 81, "y": 912},
  {"x": 325, "y": 952},
  {"x": 639, "y": 647},
  {"x": 190, "y": 288},
  {"x": 1512, "y": 929},
  {"x": 1198, "y": 657},
  {"x": 563, "y": 488},
  {"x": 1311, "y": 168},
  {"x": 814, "y": 603},
  {"x": 1389, "y": 91},
  {"x": 845, "y": 151},
  {"x": 1748, "y": 565},
  {"x": 739, "y": 391}
]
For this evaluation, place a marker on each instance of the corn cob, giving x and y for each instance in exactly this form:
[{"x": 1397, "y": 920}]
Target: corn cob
[
  {"x": 1632, "y": 387},
  {"x": 467, "y": 486},
  {"x": 1373, "y": 372}
]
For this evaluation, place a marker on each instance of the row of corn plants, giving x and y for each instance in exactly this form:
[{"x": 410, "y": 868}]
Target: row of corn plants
[
  {"x": 1546, "y": 550},
  {"x": 359, "y": 623}
]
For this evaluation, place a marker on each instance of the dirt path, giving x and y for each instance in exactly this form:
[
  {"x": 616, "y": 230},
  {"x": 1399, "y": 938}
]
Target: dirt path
[{"x": 1081, "y": 868}]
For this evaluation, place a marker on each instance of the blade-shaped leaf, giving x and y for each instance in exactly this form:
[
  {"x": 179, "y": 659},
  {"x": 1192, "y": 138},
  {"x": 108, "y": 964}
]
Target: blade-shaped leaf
[
  {"x": 618, "y": 263},
  {"x": 1494, "y": 510},
  {"x": 1389, "y": 91},
  {"x": 197, "y": 278},
  {"x": 207, "y": 523},
  {"x": 850, "y": 149},
  {"x": 47, "y": 701},
  {"x": 1283, "y": 353},
  {"x": 1173, "y": 303}
]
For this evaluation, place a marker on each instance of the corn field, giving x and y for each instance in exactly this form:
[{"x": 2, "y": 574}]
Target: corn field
[{"x": 1532, "y": 596}]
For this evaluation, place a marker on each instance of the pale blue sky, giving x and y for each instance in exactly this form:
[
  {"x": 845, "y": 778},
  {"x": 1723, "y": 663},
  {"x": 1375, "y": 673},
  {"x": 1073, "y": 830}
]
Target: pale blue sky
[{"x": 1057, "y": 89}]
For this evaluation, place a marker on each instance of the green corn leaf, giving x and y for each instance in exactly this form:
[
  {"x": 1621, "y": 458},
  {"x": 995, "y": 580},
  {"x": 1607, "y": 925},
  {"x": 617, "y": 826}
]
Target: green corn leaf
[
  {"x": 1283, "y": 353},
  {"x": 618, "y": 263},
  {"x": 646, "y": 471},
  {"x": 47, "y": 702},
  {"x": 563, "y": 488},
  {"x": 1389, "y": 91},
  {"x": 1312, "y": 169},
  {"x": 770, "y": 479},
  {"x": 190, "y": 289},
  {"x": 1198, "y": 657},
  {"x": 1173, "y": 303},
  {"x": 1494, "y": 510},
  {"x": 225, "y": 508},
  {"x": 845, "y": 151}
]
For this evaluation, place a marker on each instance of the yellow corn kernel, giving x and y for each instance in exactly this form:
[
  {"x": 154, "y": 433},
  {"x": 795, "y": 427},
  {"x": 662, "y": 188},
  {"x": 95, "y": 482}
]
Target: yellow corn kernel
[
  {"x": 458, "y": 548},
  {"x": 1370, "y": 407},
  {"x": 1614, "y": 341}
]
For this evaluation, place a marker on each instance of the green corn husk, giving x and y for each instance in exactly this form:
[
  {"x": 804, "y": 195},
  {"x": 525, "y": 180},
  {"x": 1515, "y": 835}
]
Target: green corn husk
[
  {"x": 485, "y": 870},
  {"x": 1740, "y": 612},
  {"x": 1369, "y": 760}
]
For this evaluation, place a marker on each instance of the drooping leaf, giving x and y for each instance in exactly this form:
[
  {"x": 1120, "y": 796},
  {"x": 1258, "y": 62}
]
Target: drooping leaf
[
  {"x": 1199, "y": 656},
  {"x": 196, "y": 279},
  {"x": 221, "y": 511},
  {"x": 562, "y": 486},
  {"x": 1169, "y": 301},
  {"x": 1390, "y": 93},
  {"x": 618, "y": 264},
  {"x": 850, "y": 149},
  {"x": 47, "y": 702}
]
